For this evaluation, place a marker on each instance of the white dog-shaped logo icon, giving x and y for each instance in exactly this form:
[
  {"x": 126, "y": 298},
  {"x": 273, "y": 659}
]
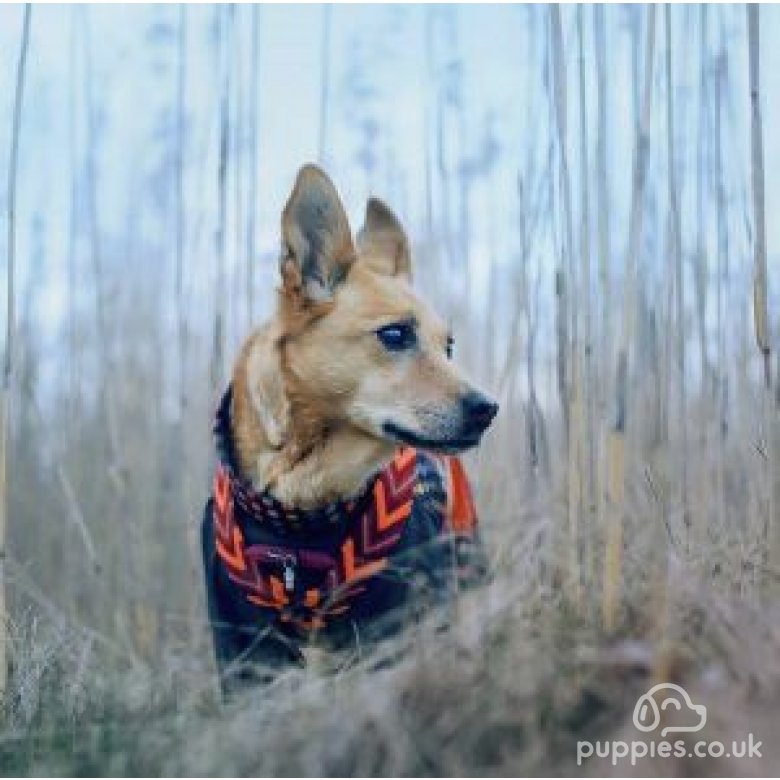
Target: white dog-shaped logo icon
[{"x": 647, "y": 714}]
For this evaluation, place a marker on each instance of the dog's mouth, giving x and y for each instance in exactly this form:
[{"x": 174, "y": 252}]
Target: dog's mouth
[{"x": 449, "y": 446}]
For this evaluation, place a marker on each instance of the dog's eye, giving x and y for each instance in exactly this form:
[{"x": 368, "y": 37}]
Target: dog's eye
[
  {"x": 450, "y": 345},
  {"x": 397, "y": 337}
]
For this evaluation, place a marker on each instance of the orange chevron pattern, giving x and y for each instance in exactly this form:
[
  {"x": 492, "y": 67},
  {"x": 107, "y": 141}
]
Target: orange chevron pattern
[
  {"x": 362, "y": 554},
  {"x": 222, "y": 490},
  {"x": 233, "y": 556},
  {"x": 385, "y": 516},
  {"x": 354, "y": 572}
]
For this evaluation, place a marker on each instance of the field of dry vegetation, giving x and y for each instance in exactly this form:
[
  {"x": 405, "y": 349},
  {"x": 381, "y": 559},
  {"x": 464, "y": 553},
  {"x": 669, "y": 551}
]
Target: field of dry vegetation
[{"x": 629, "y": 491}]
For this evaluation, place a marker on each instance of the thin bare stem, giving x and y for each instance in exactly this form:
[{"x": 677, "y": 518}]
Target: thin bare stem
[
  {"x": 679, "y": 276},
  {"x": 760, "y": 310},
  {"x": 8, "y": 361},
  {"x": 322, "y": 141},
  {"x": 251, "y": 233},
  {"x": 617, "y": 439},
  {"x": 760, "y": 313},
  {"x": 587, "y": 444},
  {"x": 218, "y": 341},
  {"x": 181, "y": 82}
]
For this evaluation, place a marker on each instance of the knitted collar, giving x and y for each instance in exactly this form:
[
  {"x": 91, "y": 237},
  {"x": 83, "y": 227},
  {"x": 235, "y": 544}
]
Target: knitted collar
[{"x": 261, "y": 506}]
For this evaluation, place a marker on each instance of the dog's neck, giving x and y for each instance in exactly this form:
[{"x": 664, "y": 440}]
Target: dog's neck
[
  {"x": 337, "y": 468},
  {"x": 303, "y": 461}
]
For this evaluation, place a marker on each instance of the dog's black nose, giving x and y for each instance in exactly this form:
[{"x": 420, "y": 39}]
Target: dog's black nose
[{"x": 478, "y": 411}]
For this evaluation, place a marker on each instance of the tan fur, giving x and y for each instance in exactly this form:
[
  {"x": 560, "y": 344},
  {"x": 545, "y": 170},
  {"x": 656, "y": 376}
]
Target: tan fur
[{"x": 313, "y": 387}]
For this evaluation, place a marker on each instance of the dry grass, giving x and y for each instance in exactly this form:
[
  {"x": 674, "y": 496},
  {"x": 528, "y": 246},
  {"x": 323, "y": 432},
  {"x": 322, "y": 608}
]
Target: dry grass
[{"x": 505, "y": 682}]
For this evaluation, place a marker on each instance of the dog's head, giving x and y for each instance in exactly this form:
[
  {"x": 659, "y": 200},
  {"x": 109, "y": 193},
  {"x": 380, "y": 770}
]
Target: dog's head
[{"x": 359, "y": 348}]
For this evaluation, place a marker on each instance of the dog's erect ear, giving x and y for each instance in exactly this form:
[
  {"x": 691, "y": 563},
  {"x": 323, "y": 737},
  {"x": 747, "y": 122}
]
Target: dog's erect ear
[
  {"x": 317, "y": 248},
  {"x": 383, "y": 244}
]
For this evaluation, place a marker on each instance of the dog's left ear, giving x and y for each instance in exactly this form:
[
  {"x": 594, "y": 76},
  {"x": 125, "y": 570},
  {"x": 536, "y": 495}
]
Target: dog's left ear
[
  {"x": 383, "y": 244},
  {"x": 317, "y": 243}
]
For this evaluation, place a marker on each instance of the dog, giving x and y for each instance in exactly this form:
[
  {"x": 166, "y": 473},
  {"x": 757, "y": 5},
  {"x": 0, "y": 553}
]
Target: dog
[{"x": 338, "y": 496}]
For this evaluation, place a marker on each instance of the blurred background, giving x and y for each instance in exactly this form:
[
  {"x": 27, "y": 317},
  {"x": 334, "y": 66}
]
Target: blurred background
[{"x": 581, "y": 186}]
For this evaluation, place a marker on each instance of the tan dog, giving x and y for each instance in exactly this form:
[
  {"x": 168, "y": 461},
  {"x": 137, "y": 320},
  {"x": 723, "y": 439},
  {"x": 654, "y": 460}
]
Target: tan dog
[
  {"x": 337, "y": 481},
  {"x": 353, "y": 363}
]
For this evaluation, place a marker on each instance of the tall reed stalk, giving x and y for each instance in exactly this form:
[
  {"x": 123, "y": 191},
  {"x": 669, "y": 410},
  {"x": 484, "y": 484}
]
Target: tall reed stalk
[
  {"x": 251, "y": 229},
  {"x": 102, "y": 322},
  {"x": 322, "y": 140},
  {"x": 218, "y": 334},
  {"x": 771, "y": 544},
  {"x": 617, "y": 437},
  {"x": 8, "y": 361},
  {"x": 181, "y": 319},
  {"x": 681, "y": 462},
  {"x": 588, "y": 433},
  {"x": 569, "y": 372},
  {"x": 760, "y": 314}
]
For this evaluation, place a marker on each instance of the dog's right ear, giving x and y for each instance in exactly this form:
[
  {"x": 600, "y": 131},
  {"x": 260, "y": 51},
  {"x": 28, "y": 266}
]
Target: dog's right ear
[{"x": 317, "y": 247}]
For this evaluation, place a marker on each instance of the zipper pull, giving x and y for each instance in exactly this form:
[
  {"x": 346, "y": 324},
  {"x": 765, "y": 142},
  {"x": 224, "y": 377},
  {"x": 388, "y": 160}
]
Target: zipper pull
[{"x": 289, "y": 574}]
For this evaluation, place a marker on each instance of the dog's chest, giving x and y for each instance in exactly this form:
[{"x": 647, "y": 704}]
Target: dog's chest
[{"x": 354, "y": 569}]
